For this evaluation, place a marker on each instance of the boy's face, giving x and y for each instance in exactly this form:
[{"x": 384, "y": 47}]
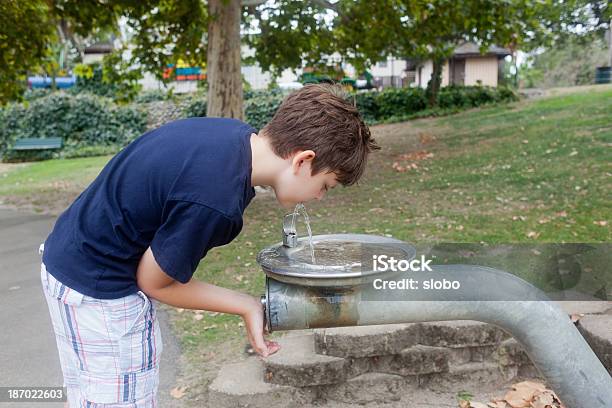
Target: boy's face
[{"x": 296, "y": 184}]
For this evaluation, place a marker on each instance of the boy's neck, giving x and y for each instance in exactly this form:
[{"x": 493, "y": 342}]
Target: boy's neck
[{"x": 266, "y": 165}]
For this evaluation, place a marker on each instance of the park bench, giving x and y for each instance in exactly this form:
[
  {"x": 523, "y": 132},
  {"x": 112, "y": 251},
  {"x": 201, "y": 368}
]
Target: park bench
[{"x": 49, "y": 143}]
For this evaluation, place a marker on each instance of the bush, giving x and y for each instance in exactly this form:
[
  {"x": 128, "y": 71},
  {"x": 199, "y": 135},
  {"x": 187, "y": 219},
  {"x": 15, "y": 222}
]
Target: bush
[
  {"x": 83, "y": 121},
  {"x": 393, "y": 104},
  {"x": 261, "y": 106},
  {"x": 471, "y": 96},
  {"x": 400, "y": 101},
  {"x": 152, "y": 96},
  {"x": 367, "y": 105},
  {"x": 93, "y": 125},
  {"x": 34, "y": 93},
  {"x": 196, "y": 105}
]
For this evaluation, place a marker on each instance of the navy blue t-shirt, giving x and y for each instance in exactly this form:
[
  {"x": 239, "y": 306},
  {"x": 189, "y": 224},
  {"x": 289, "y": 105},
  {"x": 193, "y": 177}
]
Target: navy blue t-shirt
[{"x": 180, "y": 189}]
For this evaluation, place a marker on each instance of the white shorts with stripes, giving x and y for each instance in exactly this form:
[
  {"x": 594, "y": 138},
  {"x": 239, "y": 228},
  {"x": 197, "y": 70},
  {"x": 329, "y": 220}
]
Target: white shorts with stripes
[{"x": 109, "y": 349}]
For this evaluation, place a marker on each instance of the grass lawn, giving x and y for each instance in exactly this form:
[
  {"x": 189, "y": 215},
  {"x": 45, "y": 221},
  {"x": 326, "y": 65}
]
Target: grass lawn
[{"x": 533, "y": 171}]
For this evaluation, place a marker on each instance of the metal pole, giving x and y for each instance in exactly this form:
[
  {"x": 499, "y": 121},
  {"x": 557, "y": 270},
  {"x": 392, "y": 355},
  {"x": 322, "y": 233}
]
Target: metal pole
[{"x": 488, "y": 295}]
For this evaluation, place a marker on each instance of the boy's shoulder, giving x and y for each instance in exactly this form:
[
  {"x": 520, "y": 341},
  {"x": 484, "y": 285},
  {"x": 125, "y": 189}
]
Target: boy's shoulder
[
  {"x": 212, "y": 162},
  {"x": 212, "y": 124}
]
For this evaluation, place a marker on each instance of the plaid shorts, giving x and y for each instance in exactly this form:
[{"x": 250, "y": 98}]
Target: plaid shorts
[{"x": 109, "y": 349}]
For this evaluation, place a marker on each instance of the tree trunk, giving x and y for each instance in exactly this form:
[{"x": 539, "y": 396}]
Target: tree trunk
[
  {"x": 433, "y": 86},
  {"x": 223, "y": 65}
]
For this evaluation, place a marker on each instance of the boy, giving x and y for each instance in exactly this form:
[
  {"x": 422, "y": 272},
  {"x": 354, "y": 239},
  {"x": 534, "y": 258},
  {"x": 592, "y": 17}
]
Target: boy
[{"x": 140, "y": 229}]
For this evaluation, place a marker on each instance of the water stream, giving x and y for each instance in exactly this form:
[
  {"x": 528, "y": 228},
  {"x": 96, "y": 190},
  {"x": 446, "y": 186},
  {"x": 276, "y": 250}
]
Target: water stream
[{"x": 301, "y": 209}]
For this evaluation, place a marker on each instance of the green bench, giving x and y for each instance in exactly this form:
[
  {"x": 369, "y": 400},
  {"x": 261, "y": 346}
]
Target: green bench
[{"x": 48, "y": 143}]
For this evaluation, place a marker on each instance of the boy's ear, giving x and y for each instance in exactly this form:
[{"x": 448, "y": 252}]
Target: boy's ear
[{"x": 300, "y": 158}]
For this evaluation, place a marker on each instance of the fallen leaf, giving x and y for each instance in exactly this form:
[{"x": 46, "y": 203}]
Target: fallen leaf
[
  {"x": 532, "y": 385},
  {"x": 477, "y": 405},
  {"x": 602, "y": 223},
  {"x": 416, "y": 156},
  {"x": 426, "y": 138},
  {"x": 574, "y": 317},
  {"x": 516, "y": 399},
  {"x": 398, "y": 168},
  {"x": 533, "y": 234},
  {"x": 178, "y": 392},
  {"x": 198, "y": 316},
  {"x": 544, "y": 400}
]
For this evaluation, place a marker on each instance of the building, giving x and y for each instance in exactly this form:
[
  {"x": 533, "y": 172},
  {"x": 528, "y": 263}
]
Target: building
[
  {"x": 467, "y": 66},
  {"x": 390, "y": 73}
]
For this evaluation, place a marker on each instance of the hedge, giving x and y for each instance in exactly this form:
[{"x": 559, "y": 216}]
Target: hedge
[
  {"x": 88, "y": 124},
  {"x": 92, "y": 124},
  {"x": 259, "y": 106},
  {"x": 410, "y": 102},
  {"x": 389, "y": 105}
]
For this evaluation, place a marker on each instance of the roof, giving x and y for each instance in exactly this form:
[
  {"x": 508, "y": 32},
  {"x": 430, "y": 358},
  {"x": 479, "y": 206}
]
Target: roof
[
  {"x": 471, "y": 49},
  {"x": 102, "y": 47}
]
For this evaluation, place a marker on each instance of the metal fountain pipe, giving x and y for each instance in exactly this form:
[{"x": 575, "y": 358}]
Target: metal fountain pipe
[{"x": 545, "y": 331}]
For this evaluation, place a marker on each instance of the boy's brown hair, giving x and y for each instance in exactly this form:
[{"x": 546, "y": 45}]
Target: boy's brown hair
[{"x": 319, "y": 117}]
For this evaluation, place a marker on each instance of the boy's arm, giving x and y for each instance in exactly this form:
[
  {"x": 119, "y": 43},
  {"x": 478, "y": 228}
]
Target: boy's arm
[{"x": 154, "y": 282}]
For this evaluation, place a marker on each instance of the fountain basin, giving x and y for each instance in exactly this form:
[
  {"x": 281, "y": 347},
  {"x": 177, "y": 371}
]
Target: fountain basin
[{"x": 342, "y": 260}]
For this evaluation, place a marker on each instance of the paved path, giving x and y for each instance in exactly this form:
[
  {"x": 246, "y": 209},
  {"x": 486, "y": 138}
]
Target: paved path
[{"x": 28, "y": 355}]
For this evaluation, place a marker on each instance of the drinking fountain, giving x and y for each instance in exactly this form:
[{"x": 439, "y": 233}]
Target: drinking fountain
[{"x": 340, "y": 290}]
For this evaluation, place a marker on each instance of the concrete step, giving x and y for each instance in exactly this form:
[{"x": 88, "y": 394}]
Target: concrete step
[
  {"x": 370, "y": 388},
  {"x": 597, "y": 331},
  {"x": 511, "y": 353},
  {"x": 462, "y": 355},
  {"x": 415, "y": 360},
  {"x": 242, "y": 385},
  {"x": 460, "y": 333},
  {"x": 296, "y": 364},
  {"x": 366, "y": 341},
  {"x": 586, "y": 307},
  {"x": 482, "y": 373}
]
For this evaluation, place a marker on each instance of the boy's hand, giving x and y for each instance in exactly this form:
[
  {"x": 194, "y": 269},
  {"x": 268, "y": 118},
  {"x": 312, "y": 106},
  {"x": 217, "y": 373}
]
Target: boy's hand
[
  {"x": 194, "y": 294},
  {"x": 253, "y": 321}
]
